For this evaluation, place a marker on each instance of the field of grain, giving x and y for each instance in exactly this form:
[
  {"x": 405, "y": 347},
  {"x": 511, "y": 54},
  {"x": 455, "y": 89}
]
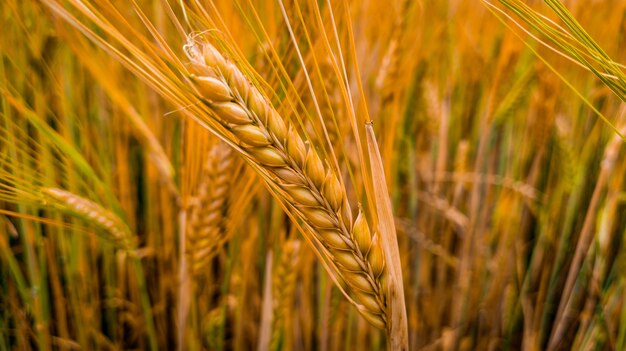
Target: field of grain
[{"x": 312, "y": 175}]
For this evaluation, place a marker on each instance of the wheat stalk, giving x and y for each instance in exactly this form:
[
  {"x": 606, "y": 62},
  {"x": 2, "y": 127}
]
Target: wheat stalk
[{"x": 311, "y": 188}]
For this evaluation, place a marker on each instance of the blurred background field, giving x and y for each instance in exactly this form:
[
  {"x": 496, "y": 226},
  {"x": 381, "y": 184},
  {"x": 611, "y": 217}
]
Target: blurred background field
[{"x": 501, "y": 130}]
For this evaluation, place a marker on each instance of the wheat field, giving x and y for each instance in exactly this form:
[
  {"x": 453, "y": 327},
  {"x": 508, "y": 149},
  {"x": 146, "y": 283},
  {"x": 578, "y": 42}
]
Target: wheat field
[{"x": 312, "y": 175}]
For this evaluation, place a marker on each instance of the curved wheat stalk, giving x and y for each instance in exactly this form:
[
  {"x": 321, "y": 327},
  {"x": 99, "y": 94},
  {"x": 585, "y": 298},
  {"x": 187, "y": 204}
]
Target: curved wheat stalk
[{"x": 311, "y": 188}]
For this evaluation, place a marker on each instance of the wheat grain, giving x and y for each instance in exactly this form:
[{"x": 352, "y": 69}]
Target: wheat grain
[{"x": 313, "y": 189}]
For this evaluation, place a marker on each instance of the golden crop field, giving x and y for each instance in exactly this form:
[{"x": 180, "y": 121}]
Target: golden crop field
[{"x": 312, "y": 175}]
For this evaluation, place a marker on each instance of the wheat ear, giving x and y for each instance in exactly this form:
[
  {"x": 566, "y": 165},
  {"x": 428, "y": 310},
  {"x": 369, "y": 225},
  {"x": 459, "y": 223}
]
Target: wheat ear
[
  {"x": 297, "y": 172},
  {"x": 206, "y": 231},
  {"x": 284, "y": 288},
  {"x": 113, "y": 225}
]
